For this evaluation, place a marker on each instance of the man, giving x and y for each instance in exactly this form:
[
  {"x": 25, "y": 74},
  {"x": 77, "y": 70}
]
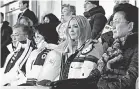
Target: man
[
  {"x": 96, "y": 16},
  {"x": 16, "y": 59},
  {"x": 24, "y": 7},
  {"x": 6, "y": 31}
]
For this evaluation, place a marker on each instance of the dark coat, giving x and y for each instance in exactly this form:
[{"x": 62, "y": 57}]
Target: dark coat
[
  {"x": 126, "y": 75},
  {"x": 97, "y": 19},
  {"x": 30, "y": 14},
  {"x": 6, "y": 31}
]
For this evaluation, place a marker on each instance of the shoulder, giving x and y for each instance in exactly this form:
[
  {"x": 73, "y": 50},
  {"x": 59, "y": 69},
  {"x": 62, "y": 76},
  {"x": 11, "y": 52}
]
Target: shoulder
[
  {"x": 29, "y": 12},
  {"x": 54, "y": 55},
  {"x": 99, "y": 16},
  {"x": 53, "y": 58}
]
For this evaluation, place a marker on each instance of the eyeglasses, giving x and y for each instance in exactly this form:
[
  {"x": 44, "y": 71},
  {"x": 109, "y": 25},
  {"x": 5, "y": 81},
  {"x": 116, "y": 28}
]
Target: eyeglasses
[
  {"x": 16, "y": 35},
  {"x": 117, "y": 22}
]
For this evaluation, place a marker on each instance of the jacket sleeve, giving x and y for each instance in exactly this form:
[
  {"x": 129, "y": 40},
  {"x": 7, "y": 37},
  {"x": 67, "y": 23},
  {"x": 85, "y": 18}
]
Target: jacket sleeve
[
  {"x": 129, "y": 79},
  {"x": 51, "y": 67},
  {"x": 98, "y": 25}
]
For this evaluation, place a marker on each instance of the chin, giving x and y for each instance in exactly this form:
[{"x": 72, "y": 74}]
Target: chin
[{"x": 73, "y": 38}]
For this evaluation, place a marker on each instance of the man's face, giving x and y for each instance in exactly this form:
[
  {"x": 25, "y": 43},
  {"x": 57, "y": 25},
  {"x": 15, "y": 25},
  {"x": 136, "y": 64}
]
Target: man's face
[
  {"x": 22, "y": 6},
  {"x": 1, "y": 19},
  {"x": 88, "y": 6},
  {"x": 18, "y": 35}
]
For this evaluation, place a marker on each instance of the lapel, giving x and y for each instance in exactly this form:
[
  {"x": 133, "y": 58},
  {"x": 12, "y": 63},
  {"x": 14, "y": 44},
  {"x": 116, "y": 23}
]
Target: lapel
[
  {"x": 23, "y": 13},
  {"x": 10, "y": 55},
  {"x": 26, "y": 12}
]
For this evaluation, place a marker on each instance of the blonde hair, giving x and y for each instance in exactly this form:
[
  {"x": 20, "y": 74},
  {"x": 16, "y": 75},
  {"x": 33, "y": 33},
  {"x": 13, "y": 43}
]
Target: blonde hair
[{"x": 85, "y": 32}]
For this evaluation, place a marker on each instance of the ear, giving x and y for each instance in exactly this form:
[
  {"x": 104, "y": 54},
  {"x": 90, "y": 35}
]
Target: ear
[{"x": 130, "y": 26}]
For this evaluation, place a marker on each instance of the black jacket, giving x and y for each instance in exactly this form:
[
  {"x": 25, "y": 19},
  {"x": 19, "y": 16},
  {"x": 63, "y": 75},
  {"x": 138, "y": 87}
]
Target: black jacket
[
  {"x": 97, "y": 19},
  {"x": 30, "y": 14},
  {"x": 6, "y": 31}
]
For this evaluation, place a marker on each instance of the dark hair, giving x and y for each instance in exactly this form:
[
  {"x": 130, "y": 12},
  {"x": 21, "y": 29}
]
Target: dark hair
[
  {"x": 52, "y": 18},
  {"x": 131, "y": 13},
  {"x": 2, "y": 14},
  {"x": 71, "y": 7},
  {"x": 48, "y": 32},
  {"x": 26, "y": 2}
]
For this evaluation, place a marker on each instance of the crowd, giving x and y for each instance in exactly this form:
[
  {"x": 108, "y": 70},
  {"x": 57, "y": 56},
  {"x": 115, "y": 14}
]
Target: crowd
[{"x": 76, "y": 52}]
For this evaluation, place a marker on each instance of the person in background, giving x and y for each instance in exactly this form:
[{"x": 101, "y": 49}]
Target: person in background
[
  {"x": 6, "y": 31},
  {"x": 13, "y": 67},
  {"x": 25, "y": 20},
  {"x": 96, "y": 16},
  {"x": 51, "y": 18},
  {"x": 121, "y": 1},
  {"x": 68, "y": 11},
  {"x": 24, "y": 8},
  {"x": 80, "y": 55}
]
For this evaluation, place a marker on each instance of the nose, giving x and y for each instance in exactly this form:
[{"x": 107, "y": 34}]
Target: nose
[{"x": 71, "y": 29}]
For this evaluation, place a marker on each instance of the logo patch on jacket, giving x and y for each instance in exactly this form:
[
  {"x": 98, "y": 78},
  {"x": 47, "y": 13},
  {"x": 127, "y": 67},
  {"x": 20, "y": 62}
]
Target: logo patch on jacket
[
  {"x": 41, "y": 57},
  {"x": 87, "y": 50}
]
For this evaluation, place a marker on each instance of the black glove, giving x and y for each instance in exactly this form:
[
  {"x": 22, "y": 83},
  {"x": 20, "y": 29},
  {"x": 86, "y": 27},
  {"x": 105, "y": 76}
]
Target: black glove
[{"x": 44, "y": 82}]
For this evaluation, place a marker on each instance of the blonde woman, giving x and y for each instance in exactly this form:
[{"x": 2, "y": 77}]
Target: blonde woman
[{"x": 79, "y": 53}]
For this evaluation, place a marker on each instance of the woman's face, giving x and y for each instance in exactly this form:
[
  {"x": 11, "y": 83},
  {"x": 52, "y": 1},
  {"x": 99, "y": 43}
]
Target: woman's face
[
  {"x": 74, "y": 30},
  {"x": 46, "y": 20},
  {"x": 38, "y": 38},
  {"x": 66, "y": 11},
  {"x": 120, "y": 25}
]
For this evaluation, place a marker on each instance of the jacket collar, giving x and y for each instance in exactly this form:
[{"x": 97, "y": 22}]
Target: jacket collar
[
  {"x": 25, "y": 10},
  {"x": 93, "y": 11},
  {"x": 131, "y": 41}
]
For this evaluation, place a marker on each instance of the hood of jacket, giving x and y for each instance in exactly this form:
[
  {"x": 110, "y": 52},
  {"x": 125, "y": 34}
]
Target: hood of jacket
[{"x": 94, "y": 11}]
